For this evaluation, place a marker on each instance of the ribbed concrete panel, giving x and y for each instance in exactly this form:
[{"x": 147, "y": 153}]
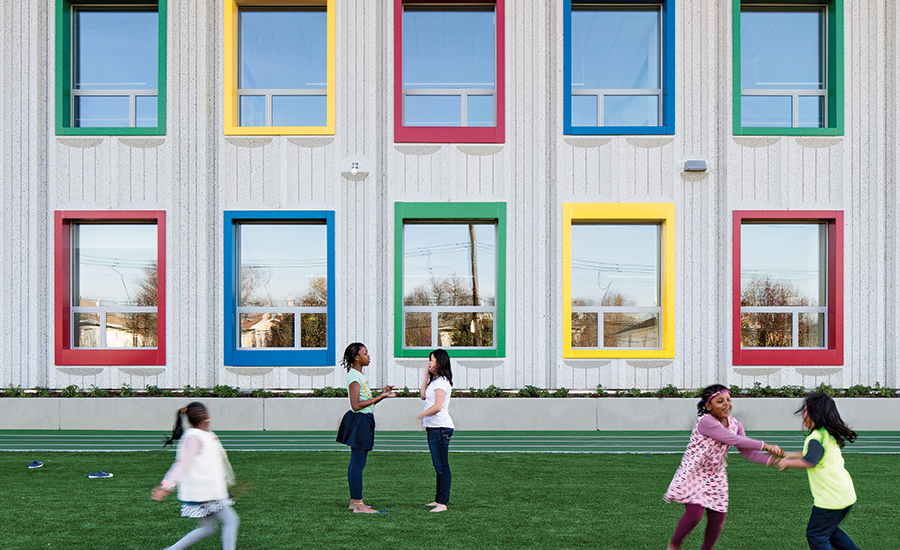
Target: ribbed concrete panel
[{"x": 892, "y": 197}]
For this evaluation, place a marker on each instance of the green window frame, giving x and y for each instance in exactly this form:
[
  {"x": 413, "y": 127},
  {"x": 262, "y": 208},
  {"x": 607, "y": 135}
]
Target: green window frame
[
  {"x": 64, "y": 68},
  {"x": 833, "y": 66},
  {"x": 452, "y": 213}
]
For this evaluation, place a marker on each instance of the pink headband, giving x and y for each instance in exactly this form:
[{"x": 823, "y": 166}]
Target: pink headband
[{"x": 717, "y": 393}]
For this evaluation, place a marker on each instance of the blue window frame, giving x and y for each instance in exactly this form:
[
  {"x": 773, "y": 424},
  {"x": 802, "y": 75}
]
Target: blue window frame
[
  {"x": 279, "y": 288},
  {"x": 619, "y": 75}
]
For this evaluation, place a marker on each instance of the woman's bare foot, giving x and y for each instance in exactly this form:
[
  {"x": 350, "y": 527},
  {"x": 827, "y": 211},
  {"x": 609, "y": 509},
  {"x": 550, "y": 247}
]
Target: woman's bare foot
[
  {"x": 432, "y": 504},
  {"x": 440, "y": 508}
]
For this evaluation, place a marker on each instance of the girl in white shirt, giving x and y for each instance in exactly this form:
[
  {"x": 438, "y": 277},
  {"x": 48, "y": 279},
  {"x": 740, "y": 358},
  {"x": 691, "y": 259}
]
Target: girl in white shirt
[
  {"x": 202, "y": 474},
  {"x": 437, "y": 384}
]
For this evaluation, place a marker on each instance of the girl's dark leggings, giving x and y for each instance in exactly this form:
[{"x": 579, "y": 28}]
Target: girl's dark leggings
[
  {"x": 693, "y": 513},
  {"x": 355, "y": 471}
]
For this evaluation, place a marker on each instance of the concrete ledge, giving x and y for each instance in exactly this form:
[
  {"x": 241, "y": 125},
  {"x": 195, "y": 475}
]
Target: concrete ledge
[{"x": 473, "y": 414}]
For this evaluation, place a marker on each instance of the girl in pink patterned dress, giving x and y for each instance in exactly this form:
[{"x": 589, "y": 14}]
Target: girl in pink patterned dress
[{"x": 700, "y": 481}]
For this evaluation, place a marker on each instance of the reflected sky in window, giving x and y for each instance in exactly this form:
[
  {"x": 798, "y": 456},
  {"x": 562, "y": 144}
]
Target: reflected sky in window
[
  {"x": 116, "y": 50},
  {"x": 783, "y": 264},
  {"x": 281, "y": 262},
  {"x": 615, "y": 49},
  {"x": 782, "y": 49},
  {"x": 615, "y": 265},
  {"x": 283, "y": 49},
  {"x": 449, "y": 48},
  {"x": 112, "y": 262},
  {"x": 433, "y": 253}
]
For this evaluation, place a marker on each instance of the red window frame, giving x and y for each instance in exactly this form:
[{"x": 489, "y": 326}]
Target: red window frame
[
  {"x": 834, "y": 352},
  {"x": 443, "y": 134},
  {"x": 65, "y": 354}
]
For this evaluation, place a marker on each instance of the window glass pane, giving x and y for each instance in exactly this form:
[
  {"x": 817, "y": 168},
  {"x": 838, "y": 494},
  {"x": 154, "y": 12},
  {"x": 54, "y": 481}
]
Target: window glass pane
[
  {"x": 584, "y": 110},
  {"x": 418, "y": 330},
  {"x": 302, "y": 110},
  {"x": 283, "y": 265},
  {"x": 102, "y": 112},
  {"x": 585, "y": 330},
  {"x": 783, "y": 264},
  {"x": 432, "y": 110},
  {"x": 116, "y": 50},
  {"x": 253, "y": 110},
  {"x": 812, "y": 111},
  {"x": 465, "y": 329},
  {"x": 642, "y": 110},
  {"x": 811, "y": 328},
  {"x": 615, "y": 265},
  {"x": 115, "y": 264},
  {"x": 131, "y": 330},
  {"x": 782, "y": 49},
  {"x": 449, "y": 264},
  {"x": 146, "y": 111},
  {"x": 766, "y": 330},
  {"x": 283, "y": 49},
  {"x": 87, "y": 330},
  {"x": 480, "y": 110},
  {"x": 449, "y": 48},
  {"x": 267, "y": 330},
  {"x": 630, "y": 330},
  {"x": 313, "y": 330},
  {"x": 766, "y": 111},
  {"x": 615, "y": 48}
]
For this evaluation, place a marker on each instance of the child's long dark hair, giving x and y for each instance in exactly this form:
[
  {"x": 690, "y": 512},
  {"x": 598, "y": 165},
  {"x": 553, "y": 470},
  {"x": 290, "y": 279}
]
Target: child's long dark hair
[
  {"x": 195, "y": 413},
  {"x": 443, "y": 366},
  {"x": 350, "y": 355},
  {"x": 823, "y": 413},
  {"x": 705, "y": 396}
]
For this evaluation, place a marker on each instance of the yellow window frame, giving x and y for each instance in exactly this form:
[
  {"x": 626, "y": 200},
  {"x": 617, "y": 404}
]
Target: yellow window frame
[
  {"x": 661, "y": 213},
  {"x": 231, "y": 71}
]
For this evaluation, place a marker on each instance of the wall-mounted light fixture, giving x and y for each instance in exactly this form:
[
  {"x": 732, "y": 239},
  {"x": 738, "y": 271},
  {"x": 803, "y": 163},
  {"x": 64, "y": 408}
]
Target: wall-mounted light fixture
[
  {"x": 354, "y": 167},
  {"x": 695, "y": 166}
]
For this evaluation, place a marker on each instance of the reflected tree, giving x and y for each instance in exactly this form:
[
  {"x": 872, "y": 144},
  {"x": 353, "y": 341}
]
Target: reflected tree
[
  {"x": 774, "y": 329},
  {"x": 144, "y": 326}
]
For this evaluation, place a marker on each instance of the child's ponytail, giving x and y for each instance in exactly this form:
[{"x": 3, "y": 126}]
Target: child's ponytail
[{"x": 195, "y": 413}]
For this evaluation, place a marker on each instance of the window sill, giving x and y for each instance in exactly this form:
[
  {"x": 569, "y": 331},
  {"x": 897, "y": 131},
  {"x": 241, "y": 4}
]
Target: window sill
[
  {"x": 788, "y": 131},
  {"x": 154, "y": 131},
  {"x": 787, "y": 357}
]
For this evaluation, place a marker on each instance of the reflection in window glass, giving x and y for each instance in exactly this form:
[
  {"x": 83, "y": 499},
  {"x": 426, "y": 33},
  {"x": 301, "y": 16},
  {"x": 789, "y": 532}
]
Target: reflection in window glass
[
  {"x": 783, "y": 284},
  {"x": 282, "y": 277},
  {"x": 766, "y": 111},
  {"x": 253, "y": 110},
  {"x": 448, "y": 52},
  {"x": 284, "y": 51},
  {"x": 615, "y": 50},
  {"x": 115, "y": 285},
  {"x": 616, "y": 285},
  {"x": 782, "y": 67},
  {"x": 115, "y": 51},
  {"x": 449, "y": 284}
]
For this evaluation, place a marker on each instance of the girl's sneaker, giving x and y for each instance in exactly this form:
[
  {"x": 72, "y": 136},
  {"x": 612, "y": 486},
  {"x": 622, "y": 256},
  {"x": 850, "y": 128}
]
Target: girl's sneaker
[
  {"x": 99, "y": 475},
  {"x": 35, "y": 464}
]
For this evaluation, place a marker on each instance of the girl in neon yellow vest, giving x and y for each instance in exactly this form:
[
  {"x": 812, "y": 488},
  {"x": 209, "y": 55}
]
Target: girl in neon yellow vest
[{"x": 830, "y": 483}]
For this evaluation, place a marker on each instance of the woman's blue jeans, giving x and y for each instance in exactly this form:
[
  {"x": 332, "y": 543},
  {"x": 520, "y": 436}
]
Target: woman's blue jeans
[{"x": 439, "y": 445}]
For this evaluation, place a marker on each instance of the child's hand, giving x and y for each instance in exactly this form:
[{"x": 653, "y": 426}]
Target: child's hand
[
  {"x": 389, "y": 390},
  {"x": 159, "y": 493},
  {"x": 774, "y": 462},
  {"x": 773, "y": 450}
]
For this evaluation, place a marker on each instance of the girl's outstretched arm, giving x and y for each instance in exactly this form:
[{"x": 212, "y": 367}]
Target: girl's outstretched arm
[
  {"x": 750, "y": 448},
  {"x": 190, "y": 448},
  {"x": 814, "y": 453}
]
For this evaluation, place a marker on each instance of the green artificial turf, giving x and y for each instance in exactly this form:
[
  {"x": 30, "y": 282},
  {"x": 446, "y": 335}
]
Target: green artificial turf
[{"x": 499, "y": 500}]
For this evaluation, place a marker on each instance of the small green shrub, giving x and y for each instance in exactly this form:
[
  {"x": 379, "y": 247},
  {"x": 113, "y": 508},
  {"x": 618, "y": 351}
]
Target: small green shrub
[
  {"x": 883, "y": 392},
  {"x": 127, "y": 391},
  {"x": 40, "y": 391},
  {"x": 14, "y": 391},
  {"x": 668, "y": 391},
  {"x": 858, "y": 391},
  {"x": 70, "y": 391},
  {"x": 634, "y": 392},
  {"x": 532, "y": 391},
  {"x": 490, "y": 391},
  {"x": 97, "y": 392},
  {"x": 827, "y": 390},
  {"x": 792, "y": 391},
  {"x": 622, "y": 393},
  {"x": 157, "y": 392},
  {"x": 226, "y": 391},
  {"x": 261, "y": 392},
  {"x": 561, "y": 392},
  {"x": 328, "y": 391},
  {"x": 405, "y": 392},
  {"x": 195, "y": 392},
  {"x": 690, "y": 394},
  {"x": 735, "y": 390},
  {"x": 289, "y": 394}
]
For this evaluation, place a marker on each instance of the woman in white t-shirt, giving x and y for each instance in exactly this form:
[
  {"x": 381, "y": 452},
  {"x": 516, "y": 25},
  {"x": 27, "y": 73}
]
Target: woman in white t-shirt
[{"x": 436, "y": 387}]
